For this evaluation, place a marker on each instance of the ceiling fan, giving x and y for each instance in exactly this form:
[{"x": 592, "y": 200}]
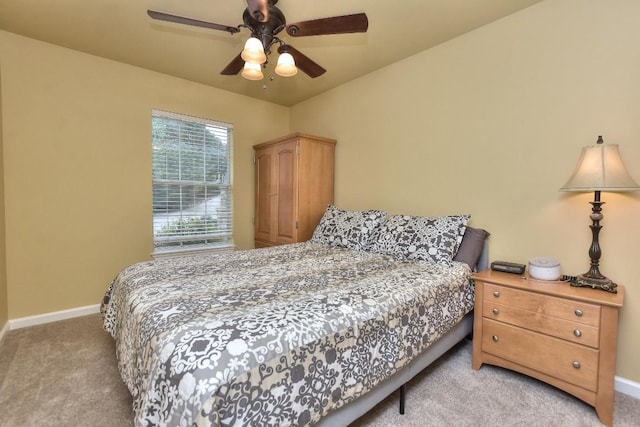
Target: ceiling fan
[{"x": 266, "y": 21}]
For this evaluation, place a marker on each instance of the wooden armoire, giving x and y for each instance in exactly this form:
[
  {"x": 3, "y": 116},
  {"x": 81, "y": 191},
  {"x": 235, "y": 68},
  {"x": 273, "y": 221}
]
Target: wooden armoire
[{"x": 294, "y": 185}]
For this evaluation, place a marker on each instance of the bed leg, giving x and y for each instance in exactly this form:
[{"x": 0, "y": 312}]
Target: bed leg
[{"x": 403, "y": 390}]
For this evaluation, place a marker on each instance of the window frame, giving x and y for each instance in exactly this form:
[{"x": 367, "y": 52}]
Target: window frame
[{"x": 182, "y": 247}]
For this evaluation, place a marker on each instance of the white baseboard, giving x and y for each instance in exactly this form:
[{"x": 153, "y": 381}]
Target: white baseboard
[
  {"x": 4, "y": 330},
  {"x": 40, "y": 319},
  {"x": 626, "y": 386}
]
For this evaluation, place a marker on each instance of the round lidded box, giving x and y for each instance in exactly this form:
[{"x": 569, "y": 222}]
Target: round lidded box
[{"x": 544, "y": 268}]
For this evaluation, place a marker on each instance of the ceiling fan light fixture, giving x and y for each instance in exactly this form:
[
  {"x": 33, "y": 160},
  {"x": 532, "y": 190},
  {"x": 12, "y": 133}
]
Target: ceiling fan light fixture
[
  {"x": 286, "y": 66},
  {"x": 252, "y": 71},
  {"x": 265, "y": 21},
  {"x": 254, "y": 51}
]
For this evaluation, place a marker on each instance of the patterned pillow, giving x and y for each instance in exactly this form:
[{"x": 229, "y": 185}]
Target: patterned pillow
[
  {"x": 421, "y": 238},
  {"x": 347, "y": 229}
]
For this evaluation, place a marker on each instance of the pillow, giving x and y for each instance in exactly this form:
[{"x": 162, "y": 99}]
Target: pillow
[
  {"x": 471, "y": 246},
  {"x": 433, "y": 239},
  {"x": 347, "y": 229}
]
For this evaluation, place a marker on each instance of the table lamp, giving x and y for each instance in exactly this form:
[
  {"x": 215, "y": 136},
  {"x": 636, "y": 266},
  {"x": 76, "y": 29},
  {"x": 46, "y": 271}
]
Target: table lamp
[{"x": 599, "y": 168}]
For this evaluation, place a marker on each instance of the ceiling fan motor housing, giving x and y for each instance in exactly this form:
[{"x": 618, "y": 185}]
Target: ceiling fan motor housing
[
  {"x": 259, "y": 9},
  {"x": 265, "y": 31}
]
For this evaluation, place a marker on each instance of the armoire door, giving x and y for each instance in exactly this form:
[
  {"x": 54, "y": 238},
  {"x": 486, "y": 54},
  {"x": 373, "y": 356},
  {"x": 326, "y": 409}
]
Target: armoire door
[
  {"x": 286, "y": 199},
  {"x": 265, "y": 209}
]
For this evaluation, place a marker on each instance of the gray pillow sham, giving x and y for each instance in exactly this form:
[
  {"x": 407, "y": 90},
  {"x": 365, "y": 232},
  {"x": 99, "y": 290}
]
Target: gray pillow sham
[{"x": 471, "y": 246}]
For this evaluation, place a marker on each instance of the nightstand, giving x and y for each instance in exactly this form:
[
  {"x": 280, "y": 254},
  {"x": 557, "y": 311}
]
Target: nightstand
[{"x": 549, "y": 330}]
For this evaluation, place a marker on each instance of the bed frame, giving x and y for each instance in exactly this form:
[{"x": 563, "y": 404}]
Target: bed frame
[{"x": 354, "y": 410}]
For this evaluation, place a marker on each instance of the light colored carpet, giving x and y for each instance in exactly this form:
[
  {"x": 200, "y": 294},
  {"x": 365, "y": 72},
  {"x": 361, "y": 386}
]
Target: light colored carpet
[{"x": 65, "y": 374}]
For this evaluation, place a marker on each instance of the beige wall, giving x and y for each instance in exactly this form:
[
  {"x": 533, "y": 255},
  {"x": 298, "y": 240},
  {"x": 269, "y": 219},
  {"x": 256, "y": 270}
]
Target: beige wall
[
  {"x": 492, "y": 124},
  {"x": 4, "y": 308},
  {"x": 77, "y": 167}
]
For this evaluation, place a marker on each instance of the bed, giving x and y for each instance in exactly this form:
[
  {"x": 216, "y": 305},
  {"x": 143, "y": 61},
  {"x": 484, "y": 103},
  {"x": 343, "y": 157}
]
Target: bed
[{"x": 308, "y": 333}]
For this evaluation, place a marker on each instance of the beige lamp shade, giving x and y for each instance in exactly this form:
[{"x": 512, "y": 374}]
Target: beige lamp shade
[
  {"x": 253, "y": 51},
  {"x": 600, "y": 168},
  {"x": 286, "y": 66},
  {"x": 252, "y": 71}
]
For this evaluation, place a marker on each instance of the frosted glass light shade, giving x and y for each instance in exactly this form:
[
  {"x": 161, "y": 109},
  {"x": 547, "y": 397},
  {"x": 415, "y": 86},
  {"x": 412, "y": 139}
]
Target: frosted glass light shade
[
  {"x": 600, "y": 168},
  {"x": 252, "y": 71},
  {"x": 286, "y": 66},
  {"x": 254, "y": 51}
]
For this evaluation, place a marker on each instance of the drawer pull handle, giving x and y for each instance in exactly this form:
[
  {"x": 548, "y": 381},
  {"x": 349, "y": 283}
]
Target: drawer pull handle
[
  {"x": 576, "y": 364},
  {"x": 496, "y": 294},
  {"x": 495, "y": 339},
  {"x": 578, "y": 312},
  {"x": 495, "y": 311},
  {"x": 577, "y": 333}
]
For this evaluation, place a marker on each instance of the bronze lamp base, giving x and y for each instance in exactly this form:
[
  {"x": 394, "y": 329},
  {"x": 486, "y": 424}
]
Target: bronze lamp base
[{"x": 603, "y": 283}]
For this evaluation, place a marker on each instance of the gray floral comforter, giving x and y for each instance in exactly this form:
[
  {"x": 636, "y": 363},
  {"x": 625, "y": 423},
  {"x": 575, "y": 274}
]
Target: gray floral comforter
[{"x": 277, "y": 336}]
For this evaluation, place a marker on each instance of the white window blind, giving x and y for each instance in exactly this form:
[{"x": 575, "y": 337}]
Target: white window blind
[{"x": 192, "y": 203}]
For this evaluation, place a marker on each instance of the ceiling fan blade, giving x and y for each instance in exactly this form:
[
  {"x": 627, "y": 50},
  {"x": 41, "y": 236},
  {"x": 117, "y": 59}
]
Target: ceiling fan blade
[
  {"x": 303, "y": 62},
  {"x": 357, "y": 23},
  {"x": 161, "y": 16},
  {"x": 233, "y": 67}
]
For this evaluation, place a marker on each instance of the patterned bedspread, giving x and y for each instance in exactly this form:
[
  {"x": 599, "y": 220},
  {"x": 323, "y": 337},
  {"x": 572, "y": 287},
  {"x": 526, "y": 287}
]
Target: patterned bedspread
[{"x": 277, "y": 336}]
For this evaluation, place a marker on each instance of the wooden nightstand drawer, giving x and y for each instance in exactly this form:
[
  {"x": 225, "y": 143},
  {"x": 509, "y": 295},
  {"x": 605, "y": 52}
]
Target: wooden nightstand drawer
[
  {"x": 561, "y": 359},
  {"x": 535, "y": 321},
  {"x": 588, "y": 314}
]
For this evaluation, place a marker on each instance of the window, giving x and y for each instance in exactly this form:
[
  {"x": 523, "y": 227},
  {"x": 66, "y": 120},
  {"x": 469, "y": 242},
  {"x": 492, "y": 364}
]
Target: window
[{"x": 191, "y": 183}]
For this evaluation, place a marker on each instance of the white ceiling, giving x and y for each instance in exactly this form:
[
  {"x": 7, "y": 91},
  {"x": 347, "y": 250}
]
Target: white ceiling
[{"x": 122, "y": 31}]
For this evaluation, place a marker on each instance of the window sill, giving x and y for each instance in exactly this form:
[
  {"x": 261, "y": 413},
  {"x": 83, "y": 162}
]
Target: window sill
[{"x": 173, "y": 253}]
